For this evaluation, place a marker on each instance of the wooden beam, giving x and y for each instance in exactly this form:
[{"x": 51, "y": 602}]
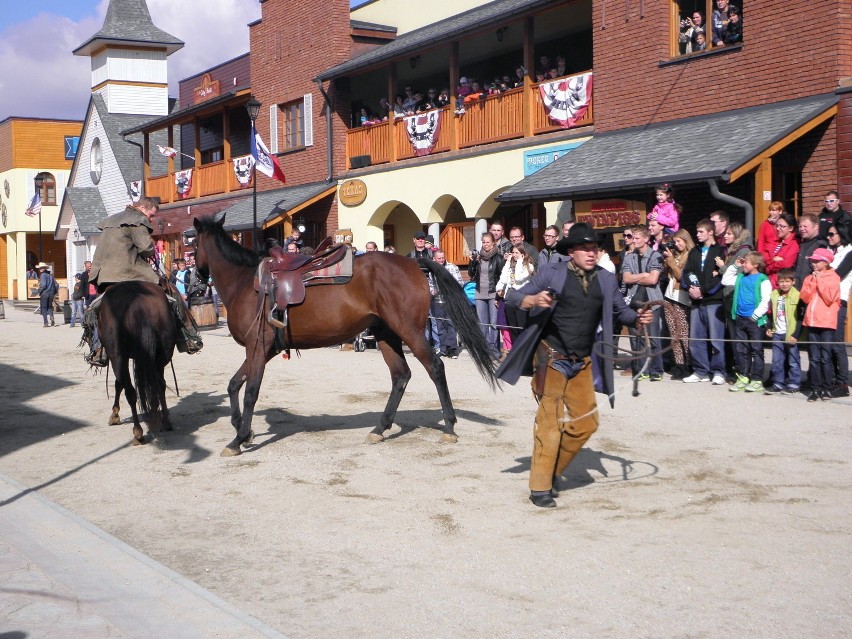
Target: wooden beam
[
  {"x": 809, "y": 126},
  {"x": 529, "y": 78},
  {"x": 762, "y": 194}
]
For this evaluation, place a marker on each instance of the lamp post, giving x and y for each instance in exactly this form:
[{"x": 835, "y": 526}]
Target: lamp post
[
  {"x": 38, "y": 180},
  {"x": 253, "y": 108}
]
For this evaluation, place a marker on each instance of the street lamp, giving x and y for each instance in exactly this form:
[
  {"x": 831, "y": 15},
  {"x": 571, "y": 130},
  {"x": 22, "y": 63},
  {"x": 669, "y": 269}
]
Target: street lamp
[
  {"x": 38, "y": 180},
  {"x": 253, "y": 108}
]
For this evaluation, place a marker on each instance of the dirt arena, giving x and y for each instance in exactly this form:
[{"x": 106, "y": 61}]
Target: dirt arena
[{"x": 693, "y": 512}]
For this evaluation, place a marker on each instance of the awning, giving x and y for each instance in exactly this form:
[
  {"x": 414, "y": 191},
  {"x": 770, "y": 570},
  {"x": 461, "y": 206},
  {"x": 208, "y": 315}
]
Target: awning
[
  {"x": 274, "y": 205},
  {"x": 722, "y": 146}
]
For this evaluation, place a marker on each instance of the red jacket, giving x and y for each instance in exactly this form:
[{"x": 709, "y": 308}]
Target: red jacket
[
  {"x": 788, "y": 252},
  {"x": 822, "y": 295},
  {"x": 766, "y": 237}
]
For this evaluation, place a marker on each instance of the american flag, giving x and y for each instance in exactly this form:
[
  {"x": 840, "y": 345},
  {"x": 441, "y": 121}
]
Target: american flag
[
  {"x": 168, "y": 151},
  {"x": 35, "y": 206}
]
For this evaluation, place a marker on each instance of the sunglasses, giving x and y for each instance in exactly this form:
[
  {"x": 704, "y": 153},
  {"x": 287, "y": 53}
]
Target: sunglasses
[
  {"x": 629, "y": 237},
  {"x": 831, "y": 234},
  {"x": 829, "y": 201}
]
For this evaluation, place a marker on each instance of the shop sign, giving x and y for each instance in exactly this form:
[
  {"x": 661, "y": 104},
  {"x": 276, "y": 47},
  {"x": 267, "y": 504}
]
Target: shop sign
[
  {"x": 353, "y": 192},
  {"x": 343, "y": 236},
  {"x": 209, "y": 89},
  {"x": 604, "y": 214},
  {"x": 536, "y": 160}
]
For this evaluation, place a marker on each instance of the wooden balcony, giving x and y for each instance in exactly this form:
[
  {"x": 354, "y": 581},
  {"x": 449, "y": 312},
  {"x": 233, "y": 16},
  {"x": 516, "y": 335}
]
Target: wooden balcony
[
  {"x": 497, "y": 118},
  {"x": 208, "y": 179}
]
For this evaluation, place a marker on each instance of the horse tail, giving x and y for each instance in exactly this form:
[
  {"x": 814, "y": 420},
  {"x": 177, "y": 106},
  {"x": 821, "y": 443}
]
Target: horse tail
[
  {"x": 145, "y": 370},
  {"x": 464, "y": 319}
]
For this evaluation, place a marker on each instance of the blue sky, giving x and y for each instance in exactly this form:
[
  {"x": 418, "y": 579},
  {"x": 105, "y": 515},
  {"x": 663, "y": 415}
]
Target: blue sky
[{"x": 36, "y": 40}]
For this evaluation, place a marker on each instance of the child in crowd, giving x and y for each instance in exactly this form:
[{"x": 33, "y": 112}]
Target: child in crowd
[
  {"x": 666, "y": 212},
  {"x": 821, "y": 292},
  {"x": 700, "y": 42},
  {"x": 784, "y": 332},
  {"x": 752, "y": 294}
]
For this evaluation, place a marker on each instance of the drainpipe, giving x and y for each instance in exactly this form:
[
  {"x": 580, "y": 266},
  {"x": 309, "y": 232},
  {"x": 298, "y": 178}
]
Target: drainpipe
[
  {"x": 328, "y": 126},
  {"x": 142, "y": 158},
  {"x": 730, "y": 199}
]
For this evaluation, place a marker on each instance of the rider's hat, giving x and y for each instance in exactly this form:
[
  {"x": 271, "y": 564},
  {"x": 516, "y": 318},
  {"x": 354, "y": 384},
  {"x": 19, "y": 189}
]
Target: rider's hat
[{"x": 580, "y": 233}]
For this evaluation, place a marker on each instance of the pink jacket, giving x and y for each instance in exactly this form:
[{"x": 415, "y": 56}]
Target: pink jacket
[
  {"x": 822, "y": 295},
  {"x": 666, "y": 214}
]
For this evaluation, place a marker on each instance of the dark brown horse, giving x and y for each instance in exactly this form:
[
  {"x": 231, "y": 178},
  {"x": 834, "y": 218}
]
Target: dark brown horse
[
  {"x": 388, "y": 294},
  {"x": 135, "y": 321}
]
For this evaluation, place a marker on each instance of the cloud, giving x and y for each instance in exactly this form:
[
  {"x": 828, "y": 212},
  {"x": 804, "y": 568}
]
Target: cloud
[{"x": 41, "y": 78}]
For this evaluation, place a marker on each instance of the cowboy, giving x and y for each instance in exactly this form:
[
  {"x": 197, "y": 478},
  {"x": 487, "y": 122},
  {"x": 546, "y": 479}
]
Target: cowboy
[
  {"x": 126, "y": 252},
  {"x": 569, "y": 301}
]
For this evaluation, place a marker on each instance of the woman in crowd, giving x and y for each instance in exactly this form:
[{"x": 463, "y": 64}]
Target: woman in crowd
[
  {"x": 692, "y": 27},
  {"x": 517, "y": 271},
  {"x": 766, "y": 236},
  {"x": 784, "y": 251},
  {"x": 840, "y": 242},
  {"x": 677, "y": 304}
]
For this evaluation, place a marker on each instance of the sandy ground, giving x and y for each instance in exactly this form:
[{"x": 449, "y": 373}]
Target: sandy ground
[{"x": 693, "y": 512}]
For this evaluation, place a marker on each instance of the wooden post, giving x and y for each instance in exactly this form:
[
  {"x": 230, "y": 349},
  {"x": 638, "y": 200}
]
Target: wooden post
[
  {"x": 226, "y": 148},
  {"x": 529, "y": 65},
  {"x": 392, "y": 154},
  {"x": 454, "y": 82},
  {"x": 762, "y": 194}
]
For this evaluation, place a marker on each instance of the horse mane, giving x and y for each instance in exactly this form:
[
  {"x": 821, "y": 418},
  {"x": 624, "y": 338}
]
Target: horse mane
[{"x": 231, "y": 250}]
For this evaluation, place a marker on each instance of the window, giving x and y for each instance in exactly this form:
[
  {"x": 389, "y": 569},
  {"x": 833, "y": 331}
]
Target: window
[
  {"x": 703, "y": 25},
  {"x": 96, "y": 161},
  {"x": 48, "y": 190},
  {"x": 296, "y": 130}
]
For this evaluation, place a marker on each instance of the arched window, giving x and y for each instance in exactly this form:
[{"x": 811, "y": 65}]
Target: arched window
[{"x": 48, "y": 190}]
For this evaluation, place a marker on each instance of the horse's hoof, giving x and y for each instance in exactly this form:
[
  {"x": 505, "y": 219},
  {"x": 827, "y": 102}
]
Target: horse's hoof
[
  {"x": 114, "y": 420},
  {"x": 449, "y": 438},
  {"x": 229, "y": 452},
  {"x": 138, "y": 441},
  {"x": 250, "y": 440},
  {"x": 374, "y": 438}
]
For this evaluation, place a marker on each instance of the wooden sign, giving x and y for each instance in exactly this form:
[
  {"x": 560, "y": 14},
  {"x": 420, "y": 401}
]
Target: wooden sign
[
  {"x": 604, "y": 214},
  {"x": 353, "y": 192},
  {"x": 209, "y": 89},
  {"x": 343, "y": 236}
]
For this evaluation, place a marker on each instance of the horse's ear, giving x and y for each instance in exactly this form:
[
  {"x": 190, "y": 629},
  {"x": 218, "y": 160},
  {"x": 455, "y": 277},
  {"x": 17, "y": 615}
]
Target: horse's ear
[
  {"x": 196, "y": 224},
  {"x": 221, "y": 221}
]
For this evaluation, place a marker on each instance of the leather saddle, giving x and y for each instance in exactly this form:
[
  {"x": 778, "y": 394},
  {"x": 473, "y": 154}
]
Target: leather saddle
[{"x": 284, "y": 276}]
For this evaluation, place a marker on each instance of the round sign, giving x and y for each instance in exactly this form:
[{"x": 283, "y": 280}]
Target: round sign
[{"x": 353, "y": 192}]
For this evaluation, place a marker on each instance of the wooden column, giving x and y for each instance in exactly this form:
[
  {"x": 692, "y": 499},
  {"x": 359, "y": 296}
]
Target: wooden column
[
  {"x": 762, "y": 193},
  {"x": 529, "y": 65},
  {"x": 392, "y": 91},
  {"x": 454, "y": 82},
  {"x": 226, "y": 148}
]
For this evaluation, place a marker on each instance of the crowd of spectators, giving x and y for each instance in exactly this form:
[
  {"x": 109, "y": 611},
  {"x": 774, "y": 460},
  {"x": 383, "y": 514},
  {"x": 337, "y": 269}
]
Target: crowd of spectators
[{"x": 726, "y": 28}]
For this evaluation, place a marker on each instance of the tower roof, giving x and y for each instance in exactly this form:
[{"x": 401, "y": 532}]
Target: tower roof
[{"x": 128, "y": 22}]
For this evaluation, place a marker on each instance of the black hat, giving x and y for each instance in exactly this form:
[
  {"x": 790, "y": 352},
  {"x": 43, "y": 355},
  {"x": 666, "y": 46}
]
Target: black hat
[
  {"x": 580, "y": 233},
  {"x": 420, "y": 235}
]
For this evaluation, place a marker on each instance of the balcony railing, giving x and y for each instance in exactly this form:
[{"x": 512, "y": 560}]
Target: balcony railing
[
  {"x": 497, "y": 118},
  {"x": 208, "y": 179}
]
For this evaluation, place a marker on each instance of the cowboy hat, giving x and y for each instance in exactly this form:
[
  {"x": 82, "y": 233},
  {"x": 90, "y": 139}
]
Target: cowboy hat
[
  {"x": 580, "y": 233},
  {"x": 41, "y": 265}
]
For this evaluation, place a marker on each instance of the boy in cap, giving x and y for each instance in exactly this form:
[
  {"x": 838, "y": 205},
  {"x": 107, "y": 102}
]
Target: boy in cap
[{"x": 821, "y": 292}]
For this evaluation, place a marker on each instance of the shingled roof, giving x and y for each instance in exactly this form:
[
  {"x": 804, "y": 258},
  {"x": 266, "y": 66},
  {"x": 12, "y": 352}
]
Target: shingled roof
[
  {"x": 271, "y": 204},
  {"x": 88, "y": 208},
  {"x": 471, "y": 21},
  {"x": 129, "y": 22},
  {"x": 689, "y": 150}
]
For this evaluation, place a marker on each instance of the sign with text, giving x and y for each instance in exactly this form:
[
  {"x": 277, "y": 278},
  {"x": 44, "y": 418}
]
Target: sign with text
[
  {"x": 353, "y": 192},
  {"x": 614, "y": 213},
  {"x": 343, "y": 236},
  {"x": 540, "y": 158},
  {"x": 209, "y": 88}
]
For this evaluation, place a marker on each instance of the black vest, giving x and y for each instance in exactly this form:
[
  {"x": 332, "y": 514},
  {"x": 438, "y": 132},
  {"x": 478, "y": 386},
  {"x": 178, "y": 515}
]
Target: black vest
[{"x": 571, "y": 329}]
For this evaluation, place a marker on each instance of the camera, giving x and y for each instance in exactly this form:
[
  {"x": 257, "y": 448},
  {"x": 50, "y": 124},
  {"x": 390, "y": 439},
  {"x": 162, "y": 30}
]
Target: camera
[
  {"x": 474, "y": 254},
  {"x": 667, "y": 246}
]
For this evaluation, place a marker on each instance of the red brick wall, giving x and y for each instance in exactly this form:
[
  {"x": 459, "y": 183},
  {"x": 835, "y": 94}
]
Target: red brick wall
[
  {"x": 844, "y": 150},
  {"x": 787, "y": 53}
]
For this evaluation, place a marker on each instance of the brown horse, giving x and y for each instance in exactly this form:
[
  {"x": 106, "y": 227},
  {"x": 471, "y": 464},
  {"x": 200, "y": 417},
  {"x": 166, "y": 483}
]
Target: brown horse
[
  {"x": 388, "y": 294},
  {"x": 135, "y": 321}
]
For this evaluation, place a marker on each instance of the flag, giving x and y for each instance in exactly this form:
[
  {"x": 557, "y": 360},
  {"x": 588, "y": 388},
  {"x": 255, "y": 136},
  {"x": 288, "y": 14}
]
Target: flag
[
  {"x": 566, "y": 101},
  {"x": 423, "y": 130},
  {"x": 183, "y": 183},
  {"x": 264, "y": 162},
  {"x": 168, "y": 151},
  {"x": 135, "y": 190},
  {"x": 35, "y": 205},
  {"x": 242, "y": 169}
]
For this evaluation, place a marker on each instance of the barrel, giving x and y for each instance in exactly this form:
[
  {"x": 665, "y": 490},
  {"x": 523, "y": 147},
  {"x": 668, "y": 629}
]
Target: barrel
[
  {"x": 203, "y": 312},
  {"x": 2, "y": 310}
]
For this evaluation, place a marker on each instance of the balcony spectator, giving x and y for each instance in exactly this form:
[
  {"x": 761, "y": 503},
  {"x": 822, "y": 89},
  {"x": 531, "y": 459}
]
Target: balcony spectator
[
  {"x": 700, "y": 43},
  {"x": 691, "y": 28},
  {"x": 544, "y": 62},
  {"x": 399, "y": 106},
  {"x": 720, "y": 22},
  {"x": 386, "y": 108},
  {"x": 520, "y": 76},
  {"x": 432, "y": 98},
  {"x": 782, "y": 253},
  {"x": 410, "y": 101},
  {"x": 561, "y": 65},
  {"x": 443, "y": 98},
  {"x": 734, "y": 29},
  {"x": 463, "y": 89},
  {"x": 540, "y": 75},
  {"x": 553, "y": 73},
  {"x": 475, "y": 93}
]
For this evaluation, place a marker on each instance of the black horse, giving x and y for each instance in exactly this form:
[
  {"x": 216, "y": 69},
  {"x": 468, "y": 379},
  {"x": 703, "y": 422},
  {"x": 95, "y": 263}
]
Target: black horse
[
  {"x": 387, "y": 293},
  {"x": 135, "y": 321}
]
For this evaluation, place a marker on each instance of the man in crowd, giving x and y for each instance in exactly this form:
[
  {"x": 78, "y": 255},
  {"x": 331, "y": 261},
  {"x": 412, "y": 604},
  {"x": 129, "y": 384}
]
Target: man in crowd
[
  {"x": 832, "y": 214},
  {"x": 421, "y": 251},
  {"x": 641, "y": 274},
  {"x": 549, "y": 254},
  {"x": 502, "y": 243},
  {"x": 809, "y": 226},
  {"x": 443, "y": 331},
  {"x": 90, "y": 290},
  {"x": 569, "y": 301},
  {"x": 516, "y": 237},
  {"x": 720, "y": 221},
  {"x": 566, "y": 227},
  {"x": 123, "y": 254},
  {"x": 720, "y": 22},
  {"x": 706, "y": 321},
  {"x": 371, "y": 247}
]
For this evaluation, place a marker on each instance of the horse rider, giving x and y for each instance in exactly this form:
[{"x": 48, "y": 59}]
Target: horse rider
[{"x": 126, "y": 252}]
